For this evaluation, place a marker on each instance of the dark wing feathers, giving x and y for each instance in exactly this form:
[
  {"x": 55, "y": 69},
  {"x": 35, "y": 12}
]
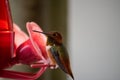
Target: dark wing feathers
[{"x": 57, "y": 58}]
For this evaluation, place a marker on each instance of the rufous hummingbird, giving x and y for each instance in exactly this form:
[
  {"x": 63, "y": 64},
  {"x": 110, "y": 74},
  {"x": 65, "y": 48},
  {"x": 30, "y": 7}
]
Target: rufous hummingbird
[{"x": 57, "y": 52}]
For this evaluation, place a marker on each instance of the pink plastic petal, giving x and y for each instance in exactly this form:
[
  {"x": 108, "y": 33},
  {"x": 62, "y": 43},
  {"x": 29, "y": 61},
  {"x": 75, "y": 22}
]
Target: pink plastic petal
[
  {"x": 20, "y": 36},
  {"x": 38, "y": 40},
  {"x": 26, "y": 53}
]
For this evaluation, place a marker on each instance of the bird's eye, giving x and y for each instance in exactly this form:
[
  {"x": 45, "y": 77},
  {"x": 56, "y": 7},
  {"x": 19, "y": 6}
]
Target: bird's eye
[{"x": 55, "y": 34}]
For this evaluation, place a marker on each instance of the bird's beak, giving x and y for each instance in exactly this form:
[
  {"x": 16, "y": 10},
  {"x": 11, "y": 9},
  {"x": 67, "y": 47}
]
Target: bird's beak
[{"x": 47, "y": 34}]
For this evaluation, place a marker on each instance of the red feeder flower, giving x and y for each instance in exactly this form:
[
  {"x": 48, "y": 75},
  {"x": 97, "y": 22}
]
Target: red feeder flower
[{"x": 30, "y": 51}]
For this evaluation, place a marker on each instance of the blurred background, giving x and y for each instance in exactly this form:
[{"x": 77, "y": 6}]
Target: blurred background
[{"x": 91, "y": 31}]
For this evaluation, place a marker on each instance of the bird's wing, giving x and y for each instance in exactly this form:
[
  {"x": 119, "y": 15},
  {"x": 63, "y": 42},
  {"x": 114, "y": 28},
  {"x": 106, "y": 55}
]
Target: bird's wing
[
  {"x": 57, "y": 58},
  {"x": 62, "y": 60}
]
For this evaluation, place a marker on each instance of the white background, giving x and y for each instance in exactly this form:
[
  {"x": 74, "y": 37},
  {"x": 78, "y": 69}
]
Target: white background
[{"x": 94, "y": 39}]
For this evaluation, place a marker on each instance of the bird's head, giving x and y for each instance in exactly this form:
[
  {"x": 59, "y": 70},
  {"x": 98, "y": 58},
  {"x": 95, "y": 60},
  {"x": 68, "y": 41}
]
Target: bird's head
[{"x": 53, "y": 38}]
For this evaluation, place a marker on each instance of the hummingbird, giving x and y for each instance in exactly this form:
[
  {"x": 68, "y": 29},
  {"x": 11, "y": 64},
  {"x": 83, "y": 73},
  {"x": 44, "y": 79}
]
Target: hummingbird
[{"x": 57, "y": 52}]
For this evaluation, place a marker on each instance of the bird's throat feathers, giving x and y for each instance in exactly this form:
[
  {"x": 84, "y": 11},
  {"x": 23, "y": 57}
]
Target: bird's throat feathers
[{"x": 52, "y": 42}]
